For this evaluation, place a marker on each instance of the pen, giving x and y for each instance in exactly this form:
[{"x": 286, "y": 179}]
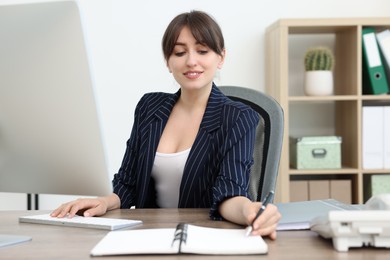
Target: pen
[{"x": 267, "y": 200}]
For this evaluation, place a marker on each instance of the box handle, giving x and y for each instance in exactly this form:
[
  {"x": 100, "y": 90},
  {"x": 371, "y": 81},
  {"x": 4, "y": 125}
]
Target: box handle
[{"x": 319, "y": 153}]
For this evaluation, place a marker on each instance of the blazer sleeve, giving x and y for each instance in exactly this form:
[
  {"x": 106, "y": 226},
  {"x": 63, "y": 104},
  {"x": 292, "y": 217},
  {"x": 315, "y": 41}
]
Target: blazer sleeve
[
  {"x": 124, "y": 182},
  {"x": 233, "y": 178}
]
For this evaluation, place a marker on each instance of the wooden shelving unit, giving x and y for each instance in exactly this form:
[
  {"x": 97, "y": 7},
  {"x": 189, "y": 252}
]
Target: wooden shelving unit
[{"x": 346, "y": 103}]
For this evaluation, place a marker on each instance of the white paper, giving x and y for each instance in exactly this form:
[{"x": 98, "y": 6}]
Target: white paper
[
  {"x": 151, "y": 241},
  {"x": 217, "y": 241}
]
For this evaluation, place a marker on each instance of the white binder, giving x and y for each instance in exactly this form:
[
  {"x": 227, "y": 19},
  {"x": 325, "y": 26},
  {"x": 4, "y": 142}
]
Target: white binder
[
  {"x": 386, "y": 137},
  {"x": 373, "y": 137}
]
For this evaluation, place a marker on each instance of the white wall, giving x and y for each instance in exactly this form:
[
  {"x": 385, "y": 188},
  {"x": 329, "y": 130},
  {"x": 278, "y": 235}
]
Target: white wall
[{"x": 124, "y": 39}]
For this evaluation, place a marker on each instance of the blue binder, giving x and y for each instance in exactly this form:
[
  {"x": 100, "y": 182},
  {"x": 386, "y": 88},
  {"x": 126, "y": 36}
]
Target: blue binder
[{"x": 374, "y": 77}]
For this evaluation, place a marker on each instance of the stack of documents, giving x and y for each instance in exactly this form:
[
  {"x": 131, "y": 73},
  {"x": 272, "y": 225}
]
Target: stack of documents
[{"x": 298, "y": 215}]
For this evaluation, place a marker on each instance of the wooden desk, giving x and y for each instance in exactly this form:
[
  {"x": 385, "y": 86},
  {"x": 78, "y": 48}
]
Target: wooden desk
[{"x": 56, "y": 242}]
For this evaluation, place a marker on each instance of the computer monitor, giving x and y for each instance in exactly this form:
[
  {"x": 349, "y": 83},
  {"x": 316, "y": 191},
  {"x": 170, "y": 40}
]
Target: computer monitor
[{"x": 50, "y": 135}]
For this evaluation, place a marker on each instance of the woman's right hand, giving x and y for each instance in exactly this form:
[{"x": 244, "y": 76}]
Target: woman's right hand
[{"x": 87, "y": 207}]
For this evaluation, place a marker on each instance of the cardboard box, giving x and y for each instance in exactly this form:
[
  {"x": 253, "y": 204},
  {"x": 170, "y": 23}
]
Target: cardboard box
[
  {"x": 341, "y": 190},
  {"x": 315, "y": 152},
  {"x": 319, "y": 189},
  {"x": 299, "y": 191}
]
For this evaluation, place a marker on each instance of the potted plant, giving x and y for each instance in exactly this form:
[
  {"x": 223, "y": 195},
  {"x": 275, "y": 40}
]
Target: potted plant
[{"x": 319, "y": 63}]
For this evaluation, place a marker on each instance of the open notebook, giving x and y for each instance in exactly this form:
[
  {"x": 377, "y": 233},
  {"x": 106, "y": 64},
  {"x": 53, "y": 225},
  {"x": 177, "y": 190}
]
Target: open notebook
[{"x": 187, "y": 239}]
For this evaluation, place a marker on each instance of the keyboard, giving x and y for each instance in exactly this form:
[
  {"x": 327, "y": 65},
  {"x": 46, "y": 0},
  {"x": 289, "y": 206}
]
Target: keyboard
[{"x": 79, "y": 221}]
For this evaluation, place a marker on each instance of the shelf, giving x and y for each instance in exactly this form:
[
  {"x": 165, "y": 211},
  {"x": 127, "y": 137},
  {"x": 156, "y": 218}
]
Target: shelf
[
  {"x": 378, "y": 171},
  {"x": 325, "y": 171},
  {"x": 376, "y": 97},
  {"x": 339, "y": 114},
  {"x": 339, "y": 98},
  {"x": 323, "y": 98}
]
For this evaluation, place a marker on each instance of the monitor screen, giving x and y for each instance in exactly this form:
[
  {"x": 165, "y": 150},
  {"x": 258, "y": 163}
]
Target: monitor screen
[{"x": 50, "y": 138}]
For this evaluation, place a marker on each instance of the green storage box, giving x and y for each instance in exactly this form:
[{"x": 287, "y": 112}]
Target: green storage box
[
  {"x": 315, "y": 152},
  {"x": 376, "y": 184}
]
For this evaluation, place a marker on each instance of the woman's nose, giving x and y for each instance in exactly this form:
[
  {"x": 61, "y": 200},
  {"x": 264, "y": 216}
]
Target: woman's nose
[{"x": 191, "y": 59}]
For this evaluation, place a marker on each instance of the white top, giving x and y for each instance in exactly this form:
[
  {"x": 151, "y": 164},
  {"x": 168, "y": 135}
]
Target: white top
[{"x": 167, "y": 173}]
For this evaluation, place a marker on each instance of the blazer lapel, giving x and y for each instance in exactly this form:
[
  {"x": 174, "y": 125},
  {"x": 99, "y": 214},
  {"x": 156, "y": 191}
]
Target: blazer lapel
[
  {"x": 154, "y": 126},
  {"x": 190, "y": 193}
]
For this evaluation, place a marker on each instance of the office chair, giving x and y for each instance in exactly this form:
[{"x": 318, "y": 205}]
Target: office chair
[{"x": 269, "y": 138}]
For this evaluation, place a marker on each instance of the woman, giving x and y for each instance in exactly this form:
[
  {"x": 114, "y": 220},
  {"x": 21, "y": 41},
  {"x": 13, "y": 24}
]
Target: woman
[{"x": 190, "y": 149}]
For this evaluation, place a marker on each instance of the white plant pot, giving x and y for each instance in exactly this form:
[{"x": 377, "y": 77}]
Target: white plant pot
[{"x": 319, "y": 83}]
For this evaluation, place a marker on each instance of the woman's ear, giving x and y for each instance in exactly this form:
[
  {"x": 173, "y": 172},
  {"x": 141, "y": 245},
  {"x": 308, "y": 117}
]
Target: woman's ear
[
  {"x": 223, "y": 55},
  {"x": 169, "y": 69}
]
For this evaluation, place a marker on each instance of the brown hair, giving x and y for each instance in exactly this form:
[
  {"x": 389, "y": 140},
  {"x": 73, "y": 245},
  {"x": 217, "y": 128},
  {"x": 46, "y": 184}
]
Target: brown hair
[{"x": 202, "y": 26}]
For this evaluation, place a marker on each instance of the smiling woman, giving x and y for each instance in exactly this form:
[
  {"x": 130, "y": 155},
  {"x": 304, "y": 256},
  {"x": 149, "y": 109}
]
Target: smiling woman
[
  {"x": 193, "y": 60},
  {"x": 203, "y": 28},
  {"x": 209, "y": 137}
]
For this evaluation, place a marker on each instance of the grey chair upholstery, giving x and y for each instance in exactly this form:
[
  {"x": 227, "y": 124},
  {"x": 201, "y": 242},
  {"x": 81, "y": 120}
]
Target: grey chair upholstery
[{"x": 269, "y": 138}]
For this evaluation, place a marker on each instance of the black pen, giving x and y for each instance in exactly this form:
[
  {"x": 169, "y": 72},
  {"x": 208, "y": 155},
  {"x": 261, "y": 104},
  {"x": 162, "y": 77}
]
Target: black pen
[{"x": 267, "y": 200}]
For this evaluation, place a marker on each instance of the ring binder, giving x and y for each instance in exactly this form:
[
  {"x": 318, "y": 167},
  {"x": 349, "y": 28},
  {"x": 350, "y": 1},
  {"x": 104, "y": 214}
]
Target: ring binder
[
  {"x": 374, "y": 77},
  {"x": 180, "y": 234}
]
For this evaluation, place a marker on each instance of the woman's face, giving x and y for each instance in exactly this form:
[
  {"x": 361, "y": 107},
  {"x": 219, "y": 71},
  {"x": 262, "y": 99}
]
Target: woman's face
[{"x": 192, "y": 64}]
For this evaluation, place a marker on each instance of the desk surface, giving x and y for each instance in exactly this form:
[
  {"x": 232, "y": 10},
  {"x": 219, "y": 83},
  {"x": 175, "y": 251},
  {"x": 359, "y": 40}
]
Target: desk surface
[{"x": 58, "y": 242}]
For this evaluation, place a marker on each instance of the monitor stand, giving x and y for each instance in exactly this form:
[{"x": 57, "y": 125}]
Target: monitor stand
[{"x": 32, "y": 199}]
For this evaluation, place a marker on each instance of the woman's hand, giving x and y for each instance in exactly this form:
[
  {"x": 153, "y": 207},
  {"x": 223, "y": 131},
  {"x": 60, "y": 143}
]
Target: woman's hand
[
  {"x": 87, "y": 207},
  {"x": 266, "y": 223},
  {"x": 243, "y": 211}
]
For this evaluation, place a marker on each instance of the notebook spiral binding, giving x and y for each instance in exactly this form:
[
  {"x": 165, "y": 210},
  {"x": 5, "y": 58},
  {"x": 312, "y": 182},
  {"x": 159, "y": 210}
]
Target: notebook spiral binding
[{"x": 180, "y": 234}]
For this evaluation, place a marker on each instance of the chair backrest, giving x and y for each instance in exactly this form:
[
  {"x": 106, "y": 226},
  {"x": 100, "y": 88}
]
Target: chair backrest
[{"x": 269, "y": 138}]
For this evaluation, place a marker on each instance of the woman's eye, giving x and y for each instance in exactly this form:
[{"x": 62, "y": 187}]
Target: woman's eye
[
  {"x": 203, "y": 52},
  {"x": 179, "y": 53}
]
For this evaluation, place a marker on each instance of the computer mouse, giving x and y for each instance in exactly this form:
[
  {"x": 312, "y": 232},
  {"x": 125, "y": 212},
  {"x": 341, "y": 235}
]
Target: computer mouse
[{"x": 379, "y": 202}]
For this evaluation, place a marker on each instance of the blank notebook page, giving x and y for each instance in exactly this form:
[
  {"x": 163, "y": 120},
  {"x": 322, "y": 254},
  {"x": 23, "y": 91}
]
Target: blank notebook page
[{"x": 222, "y": 241}]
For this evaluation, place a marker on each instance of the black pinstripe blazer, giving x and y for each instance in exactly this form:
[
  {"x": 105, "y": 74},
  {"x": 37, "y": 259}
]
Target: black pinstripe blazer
[{"x": 219, "y": 162}]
